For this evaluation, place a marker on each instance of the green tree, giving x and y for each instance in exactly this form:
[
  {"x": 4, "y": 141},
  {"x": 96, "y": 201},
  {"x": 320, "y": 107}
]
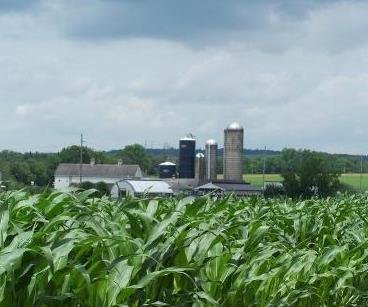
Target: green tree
[
  {"x": 39, "y": 171},
  {"x": 20, "y": 170},
  {"x": 102, "y": 188},
  {"x": 71, "y": 154},
  {"x": 86, "y": 185},
  {"x": 136, "y": 154},
  {"x": 308, "y": 174}
]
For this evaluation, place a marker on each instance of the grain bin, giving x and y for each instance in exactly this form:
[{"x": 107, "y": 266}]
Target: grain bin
[
  {"x": 167, "y": 170},
  {"x": 200, "y": 168},
  {"x": 211, "y": 160},
  {"x": 233, "y": 152},
  {"x": 186, "y": 157}
]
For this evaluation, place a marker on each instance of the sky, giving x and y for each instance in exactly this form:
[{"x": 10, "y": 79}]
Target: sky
[{"x": 293, "y": 73}]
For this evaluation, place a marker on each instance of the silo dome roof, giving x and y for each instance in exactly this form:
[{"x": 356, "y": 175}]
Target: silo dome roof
[
  {"x": 187, "y": 138},
  {"x": 211, "y": 142},
  {"x": 200, "y": 155},
  {"x": 167, "y": 163},
  {"x": 235, "y": 126}
]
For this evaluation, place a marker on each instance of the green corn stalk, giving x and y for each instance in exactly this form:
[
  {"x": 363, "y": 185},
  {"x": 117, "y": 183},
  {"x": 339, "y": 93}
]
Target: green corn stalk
[{"x": 73, "y": 249}]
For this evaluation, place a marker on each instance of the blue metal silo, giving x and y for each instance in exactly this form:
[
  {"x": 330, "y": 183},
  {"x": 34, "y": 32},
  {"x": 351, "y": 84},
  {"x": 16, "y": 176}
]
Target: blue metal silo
[
  {"x": 186, "y": 157},
  {"x": 167, "y": 170}
]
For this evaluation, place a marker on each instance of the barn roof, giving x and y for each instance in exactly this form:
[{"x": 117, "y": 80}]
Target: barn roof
[
  {"x": 147, "y": 186},
  {"x": 98, "y": 170},
  {"x": 209, "y": 186},
  {"x": 237, "y": 186},
  {"x": 229, "y": 187}
]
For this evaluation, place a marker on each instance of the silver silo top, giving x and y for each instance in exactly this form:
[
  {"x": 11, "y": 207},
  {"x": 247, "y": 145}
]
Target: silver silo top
[
  {"x": 211, "y": 142},
  {"x": 234, "y": 126}
]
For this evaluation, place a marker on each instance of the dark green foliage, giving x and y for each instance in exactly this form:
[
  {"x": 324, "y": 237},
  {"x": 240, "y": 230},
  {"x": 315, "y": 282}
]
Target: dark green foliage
[
  {"x": 71, "y": 154},
  {"x": 307, "y": 174},
  {"x": 86, "y": 185},
  {"x": 21, "y": 172},
  {"x": 102, "y": 188},
  {"x": 273, "y": 190},
  {"x": 348, "y": 189},
  {"x": 135, "y": 154},
  {"x": 253, "y": 162}
]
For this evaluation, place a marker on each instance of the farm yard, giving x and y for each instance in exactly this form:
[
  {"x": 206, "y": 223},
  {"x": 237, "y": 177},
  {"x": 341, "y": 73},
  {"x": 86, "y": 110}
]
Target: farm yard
[
  {"x": 352, "y": 179},
  {"x": 75, "y": 250}
]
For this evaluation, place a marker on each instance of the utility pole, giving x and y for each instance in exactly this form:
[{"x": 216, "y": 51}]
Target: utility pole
[
  {"x": 81, "y": 159},
  {"x": 361, "y": 172},
  {"x": 264, "y": 166}
]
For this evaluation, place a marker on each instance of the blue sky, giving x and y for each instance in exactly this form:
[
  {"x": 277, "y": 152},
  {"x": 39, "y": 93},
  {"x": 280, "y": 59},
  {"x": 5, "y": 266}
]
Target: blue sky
[{"x": 293, "y": 73}]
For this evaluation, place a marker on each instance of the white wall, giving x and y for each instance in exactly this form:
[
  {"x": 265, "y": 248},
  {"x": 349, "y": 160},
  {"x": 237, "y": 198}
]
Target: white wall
[{"x": 62, "y": 182}]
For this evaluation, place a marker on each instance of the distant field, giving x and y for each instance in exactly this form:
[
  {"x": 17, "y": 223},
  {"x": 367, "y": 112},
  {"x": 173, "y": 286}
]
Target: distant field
[
  {"x": 354, "y": 180},
  {"x": 350, "y": 179},
  {"x": 257, "y": 179}
]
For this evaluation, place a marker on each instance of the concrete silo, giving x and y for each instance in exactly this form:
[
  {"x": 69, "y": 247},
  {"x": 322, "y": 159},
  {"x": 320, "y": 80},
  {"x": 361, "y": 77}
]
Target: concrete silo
[
  {"x": 200, "y": 168},
  {"x": 211, "y": 160},
  {"x": 186, "y": 157},
  {"x": 233, "y": 152}
]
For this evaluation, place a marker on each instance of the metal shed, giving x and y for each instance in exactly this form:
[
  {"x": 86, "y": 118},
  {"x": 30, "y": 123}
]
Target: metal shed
[
  {"x": 140, "y": 187},
  {"x": 222, "y": 187}
]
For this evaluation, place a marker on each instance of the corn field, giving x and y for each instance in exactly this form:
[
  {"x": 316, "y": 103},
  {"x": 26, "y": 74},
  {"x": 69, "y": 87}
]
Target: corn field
[{"x": 75, "y": 250}]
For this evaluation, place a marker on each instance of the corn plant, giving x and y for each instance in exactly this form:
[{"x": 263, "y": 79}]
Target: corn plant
[{"x": 73, "y": 249}]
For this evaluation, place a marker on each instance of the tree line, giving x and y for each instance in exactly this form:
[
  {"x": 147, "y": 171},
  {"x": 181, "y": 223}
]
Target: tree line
[
  {"x": 34, "y": 168},
  {"x": 22, "y": 169}
]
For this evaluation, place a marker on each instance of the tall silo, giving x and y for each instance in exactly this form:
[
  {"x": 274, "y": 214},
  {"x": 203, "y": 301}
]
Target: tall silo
[
  {"x": 200, "y": 168},
  {"x": 233, "y": 152},
  {"x": 211, "y": 160},
  {"x": 186, "y": 157}
]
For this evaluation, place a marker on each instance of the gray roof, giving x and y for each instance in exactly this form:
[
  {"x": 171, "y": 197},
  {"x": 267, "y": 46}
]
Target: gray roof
[
  {"x": 98, "y": 170},
  {"x": 237, "y": 186},
  {"x": 229, "y": 186},
  {"x": 209, "y": 186}
]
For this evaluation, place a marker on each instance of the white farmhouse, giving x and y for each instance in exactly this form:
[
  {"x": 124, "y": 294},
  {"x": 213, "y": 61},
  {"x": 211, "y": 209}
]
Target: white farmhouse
[{"x": 68, "y": 174}]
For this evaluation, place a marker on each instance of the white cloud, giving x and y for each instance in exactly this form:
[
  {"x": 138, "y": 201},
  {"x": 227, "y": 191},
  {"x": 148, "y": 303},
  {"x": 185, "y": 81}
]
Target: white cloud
[{"x": 295, "y": 81}]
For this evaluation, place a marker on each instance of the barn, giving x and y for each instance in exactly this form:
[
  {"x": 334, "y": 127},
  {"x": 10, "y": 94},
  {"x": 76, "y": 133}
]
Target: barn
[{"x": 68, "y": 174}]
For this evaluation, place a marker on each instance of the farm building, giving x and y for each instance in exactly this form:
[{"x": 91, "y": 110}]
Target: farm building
[
  {"x": 68, "y": 174},
  {"x": 138, "y": 187},
  {"x": 185, "y": 185},
  {"x": 222, "y": 187}
]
